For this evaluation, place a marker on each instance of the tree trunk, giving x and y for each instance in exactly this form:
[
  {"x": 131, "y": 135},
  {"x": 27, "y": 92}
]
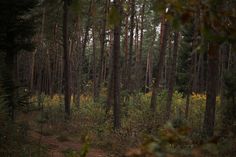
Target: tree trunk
[
  {"x": 212, "y": 79},
  {"x": 201, "y": 72},
  {"x": 116, "y": 69},
  {"x": 172, "y": 75},
  {"x": 163, "y": 43},
  {"x": 139, "y": 71},
  {"x": 67, "y": 91},
  {"x": 191, "y": 73},
  {"x": 126, "y": 53},
  {"x": 190, "y": 84},
  {"x": 129, "y": 68},
  {"x": 95, "y": 83},
  {"x": 110, "y": 77},
  {"x": 79, "y": 65},
  {"x": 82, "y": 54},
  {"x": 149, "y": 66},
  {"x": 168, "y": 61},
  {"x": 101, "y": 59}
]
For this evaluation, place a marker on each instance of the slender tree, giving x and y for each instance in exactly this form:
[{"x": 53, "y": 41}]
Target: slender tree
[
  {"x": 102, "y": 50},
  {"x": 131, "y": 42},
  {"x": 116, "y": 67},
  {"x": 66, "y": 58},
  {"x": 139, "y": 65},
  {"x": 172, "y": 75},
  {"x": 17, "y": 29},
  {"x": 95, "y": 83},
  {"x": 163, "y": 43},
  {"x": 212, "y": 78}
]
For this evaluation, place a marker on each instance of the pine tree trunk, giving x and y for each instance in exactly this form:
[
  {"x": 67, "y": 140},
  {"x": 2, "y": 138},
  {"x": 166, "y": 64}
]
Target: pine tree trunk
[
  {"x": 101, "y": 59},
  {"x": 95, "y": 83},
  {"x": 67, "y": 91},
  {"x": 79, "y": 65},
  {"x": 149, "y": 65},
  {"x": 139, "y": 66},
  {"x": 189, "y": 87},
  {"x": 126, "y": 53},
  {"x": 163, "y": 43},
  {"x": 168, "y": 61},
  {"x": 131, "y": 41},
  {"x": 172, "y": 75},
  {"x": 82, "y": 55},
  {"x": 116, "y": 69},
  {"x": 201, "y": 72},
  {"x": 110, "y": 77},
  {"x": 212, "y": 80}
]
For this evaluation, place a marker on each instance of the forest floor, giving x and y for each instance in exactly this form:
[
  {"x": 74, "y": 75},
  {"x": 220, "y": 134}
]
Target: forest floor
[{"x": 57, "y": 148}]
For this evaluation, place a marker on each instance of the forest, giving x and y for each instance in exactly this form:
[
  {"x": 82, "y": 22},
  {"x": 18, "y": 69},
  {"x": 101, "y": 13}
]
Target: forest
[{"x": 117, "y": 78}]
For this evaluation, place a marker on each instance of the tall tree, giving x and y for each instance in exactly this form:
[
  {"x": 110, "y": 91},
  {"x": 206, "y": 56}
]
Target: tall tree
[
  {"x": 172, "y": 75},
  {"x": 116, "y": 66},
  {"x": 67, "y": 74},
  {"x": 101, "y": 63},
  {"x": 149, "y": 62},
  {"x": 95, "y": 83},
  {"x": 110, "y": 77},
  {"x": 139, "y": 65},
  {"x": 17, "y": 29},
  {"x": 131, "y": 43},
  {"x": 162, "y": 51},
  {"x": 212, "y": 80},
  {"x": 82, "y": 52}
]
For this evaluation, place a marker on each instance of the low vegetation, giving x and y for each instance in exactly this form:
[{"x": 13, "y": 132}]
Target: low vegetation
[{"x": 142, "y": 134}]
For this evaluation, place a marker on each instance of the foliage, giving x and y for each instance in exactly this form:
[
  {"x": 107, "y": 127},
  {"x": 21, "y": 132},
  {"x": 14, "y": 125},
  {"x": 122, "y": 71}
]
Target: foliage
[
  {"x": 137, "y": 123},
  {"x": 174, "y": 141},
  {"x": 216, "y": 20},
  {"x": 184, "y": 58},
  {"x": 85, "y": 148},
  {"x": 17, "y": 26},
  {"x": 17, "y": 29}
]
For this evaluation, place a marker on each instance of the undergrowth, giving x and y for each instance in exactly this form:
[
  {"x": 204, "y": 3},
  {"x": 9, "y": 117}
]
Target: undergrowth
[{"x": 138, "y": 124}]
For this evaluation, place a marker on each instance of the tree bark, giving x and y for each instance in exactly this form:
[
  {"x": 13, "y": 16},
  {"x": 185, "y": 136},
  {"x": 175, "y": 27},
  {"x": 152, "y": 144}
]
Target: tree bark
[
  {"x": 126, "y": 53},
  {"x": 149, "y": 65},
  {"x": 101, "y": 59},
  {"x": 131, "y": 41},
  {"x": 110, "y": 77},
  {"x": 212, "y": 80},
  {"x": 139, "y": 66},
  {"x": 163, "y": 43},
  {"x": 116, "y": 69},
  {"x": 67, "y": 91},
  {"x": 95, "y": 83},
  {"x": 79, "y": 65},
  {"x": 172, "y": 75}
]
